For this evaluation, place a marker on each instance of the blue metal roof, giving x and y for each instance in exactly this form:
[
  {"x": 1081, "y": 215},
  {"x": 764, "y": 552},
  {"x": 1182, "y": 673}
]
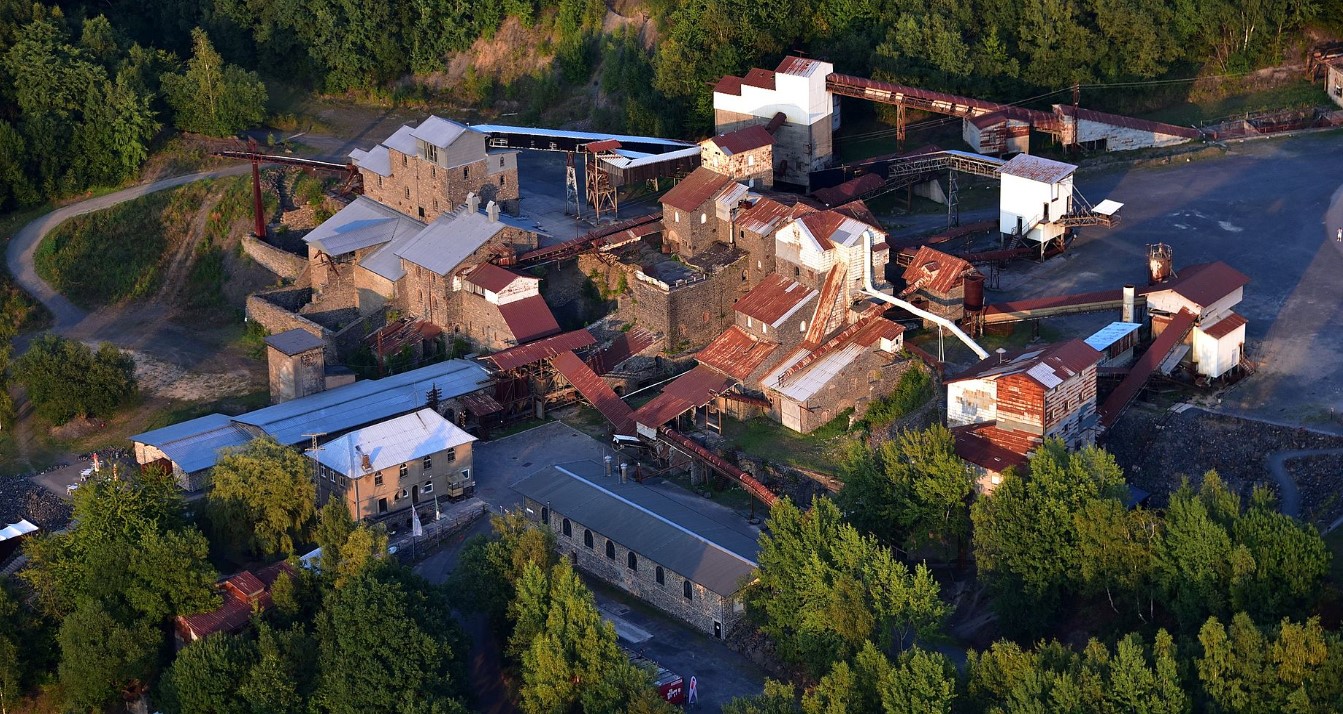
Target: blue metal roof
[
  {"x": 1110, "y": 334},
  {"x": 203, "y": 451},
  {"x": 182, "y": 430},
  {"x": 579, "y": 135},
  {"x": 364, "y": 402}
]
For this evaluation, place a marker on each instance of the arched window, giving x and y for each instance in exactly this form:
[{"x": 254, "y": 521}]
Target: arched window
[
  {"x": 802, "y": 327},
  {"x": 587, "y": 537},
  {"x": 685, "y": 589},
  {"x": 659, "y": 576},
  {"x": 632, "y": 561},
  {"x": 568, "y": 530},
  {"x": 610, "y": 549},
  {"x": 545, "y": 515}
]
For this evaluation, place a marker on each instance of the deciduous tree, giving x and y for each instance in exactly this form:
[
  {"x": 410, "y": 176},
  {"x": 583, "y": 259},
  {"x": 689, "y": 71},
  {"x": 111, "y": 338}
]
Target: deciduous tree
[
  {"x": 263, "y": 496},
  {"x": 213, "y": 97}
]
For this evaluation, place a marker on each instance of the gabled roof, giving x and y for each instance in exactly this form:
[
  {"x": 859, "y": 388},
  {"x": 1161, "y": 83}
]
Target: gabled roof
[
  {"x": 1154, "y": 127},
  {"x": 361, "y": 224},
  {"x": 744, "y": 139},
  {"x": 196, "y": 444},
  {"x": 849, "y": 190},
  {"x": 376, "y": 160},
  {"x": 494, "y": 278},
  {"x": 1205, "y": 283},
  {"x": 974, "y": 445},
  {"x": 236, "y": 609},
  {"x": 1048, "y": 365},
  {"x": 799, "y": 66},
  {"x": 836, "y": 226},
  {"x": 736, "y": 353},
  {"x": 403, "y": 140},
  {"x": 696, "y": 189},
  {"x": 774, "y": 300},
  {"x": 391, "y": 443},
  {"x": 1037, "y": 168},
  {"x": 439, "y": 132},
  {"x": 453, "y": 237},
  {"x": 936, "y": 271},
  {"x": 529, "y": 318},
  {"x": 713, "y": 553},
  {"x": 766, "y": 214}
]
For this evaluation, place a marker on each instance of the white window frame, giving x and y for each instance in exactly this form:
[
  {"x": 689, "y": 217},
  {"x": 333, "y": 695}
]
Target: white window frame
[{"x": 426, "y": 488}]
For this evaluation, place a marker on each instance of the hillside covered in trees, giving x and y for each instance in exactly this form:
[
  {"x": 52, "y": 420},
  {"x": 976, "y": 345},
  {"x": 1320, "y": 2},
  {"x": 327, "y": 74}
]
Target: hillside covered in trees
[{"x": 87, "y": 87}]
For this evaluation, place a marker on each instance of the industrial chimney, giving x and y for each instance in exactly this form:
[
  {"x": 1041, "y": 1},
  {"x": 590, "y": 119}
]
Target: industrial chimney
[{"x": 1130, "y": 296}]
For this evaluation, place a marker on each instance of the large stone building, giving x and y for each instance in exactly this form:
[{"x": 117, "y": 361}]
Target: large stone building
[
  {"x": 688, "y": 563},
  {"x": 381, "y": 470},
  {"x": 796, "y": 89},
  {"x": 746, "y": 155},
  {"x": 427, "y": 170},
  {"x": 1003, "y": 408}
]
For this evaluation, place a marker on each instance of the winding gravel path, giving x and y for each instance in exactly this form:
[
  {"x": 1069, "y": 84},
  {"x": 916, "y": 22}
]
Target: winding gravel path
[
  {"x": 1289, "y": 494},
  {"x": 19, "y": 255}
]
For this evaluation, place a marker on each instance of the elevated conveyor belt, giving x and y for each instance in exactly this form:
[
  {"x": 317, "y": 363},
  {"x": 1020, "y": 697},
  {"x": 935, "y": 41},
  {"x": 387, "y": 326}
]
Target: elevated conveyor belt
[
  {"x": 871, "y": 290},
  {"x": 501, "y": 136},
  {"x": 605, "y": 237},
  {"x": 1131, "y": 385},
  {"x": 935, "y": 102},
  {"x": 747, "y": 481},
  {"x": 1019, "y": 310}
]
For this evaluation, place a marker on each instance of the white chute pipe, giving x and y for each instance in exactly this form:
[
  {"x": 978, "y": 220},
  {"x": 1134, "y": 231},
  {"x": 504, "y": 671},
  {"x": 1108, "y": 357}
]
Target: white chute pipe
[{"x": 871, "y": 289}]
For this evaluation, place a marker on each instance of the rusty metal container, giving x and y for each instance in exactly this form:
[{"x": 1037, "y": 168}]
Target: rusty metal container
[
  {"x": 974, "y": 292},
  {"x": 1159, "y": 263}
]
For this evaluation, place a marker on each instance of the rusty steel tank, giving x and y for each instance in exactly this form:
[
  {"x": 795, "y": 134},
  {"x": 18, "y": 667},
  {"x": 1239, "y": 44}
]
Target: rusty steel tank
[
  {"x": 1159, "y": 263},
  {"x": 974, "y": 293}
]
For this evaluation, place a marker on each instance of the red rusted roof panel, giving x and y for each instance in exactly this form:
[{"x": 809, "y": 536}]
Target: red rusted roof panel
[
  {"x": 594, "y": 389},
  {"x": 1155, "y": 127},
  {"x": 973, "y": 444},
  {"x": 736, "y": 353},
  {"x": 849, "y": 190},
  {"x": 602, "y": 145},
  {"x": 1064, "y": 359},
  {"x": 936, "y": 271},
  {"x": 1205, "y": 283},
  {"x": 1225, "y": 326},
  {"x": 492, "y": 277},
  {"x": 481, "y": 404},
  {"x": 529, "y": 319},
  {"x": 696, "y": 189},
  {"x": 746, "y": 139},
  {"x": 624, "y": 346},
  {"x": 515, "y": 357},
  {"x": 1129, "y": 387},
  {"x": 773, "y": 298},
  {"x": 692, "y": 389}
]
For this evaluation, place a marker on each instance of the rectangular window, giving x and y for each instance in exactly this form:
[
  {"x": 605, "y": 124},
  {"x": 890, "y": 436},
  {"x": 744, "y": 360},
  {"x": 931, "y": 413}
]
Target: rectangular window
[
  {"x": 405, "y": 469},
  {"x": 451, "y": 454},
  {"x": 407, "y": 193},
  {"x": 501, "y": 180},
  {"x": 501, "y": 162},
  {"x": 466, "y": 172},
  {"x": 377, "y": 480},
  {"x": 433, "y": 172},
  {"x": 431, "y": 152},
  {"x": 428, "y": 462},
  {"x": 427, "y": 488}
]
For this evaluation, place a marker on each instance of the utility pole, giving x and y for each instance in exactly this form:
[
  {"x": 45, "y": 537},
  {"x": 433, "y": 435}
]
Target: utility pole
[{"x": 316, "y": 465}]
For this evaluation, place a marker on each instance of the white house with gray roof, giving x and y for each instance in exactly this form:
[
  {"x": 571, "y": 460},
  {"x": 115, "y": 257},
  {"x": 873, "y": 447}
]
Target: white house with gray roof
[{"x": 684, "y": 561}]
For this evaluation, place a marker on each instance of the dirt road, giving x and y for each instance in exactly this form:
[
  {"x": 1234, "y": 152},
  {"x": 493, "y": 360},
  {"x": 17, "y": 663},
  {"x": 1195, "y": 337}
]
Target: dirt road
[{"x": 22, "y": 248}]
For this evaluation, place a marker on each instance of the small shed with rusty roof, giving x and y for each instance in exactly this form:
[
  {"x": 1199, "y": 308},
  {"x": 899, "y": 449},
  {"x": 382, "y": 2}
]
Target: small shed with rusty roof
[{"x": 939, "y": 279}]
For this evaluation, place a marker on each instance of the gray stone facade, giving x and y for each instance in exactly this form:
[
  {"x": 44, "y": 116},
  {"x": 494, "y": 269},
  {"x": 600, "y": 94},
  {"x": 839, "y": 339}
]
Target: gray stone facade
[{"x": 588, "y": 549}]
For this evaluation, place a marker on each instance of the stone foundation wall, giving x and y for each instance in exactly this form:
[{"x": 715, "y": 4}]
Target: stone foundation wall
[
  {"x": 281, "y": 262},
  {"x": 272, "y": 310}
]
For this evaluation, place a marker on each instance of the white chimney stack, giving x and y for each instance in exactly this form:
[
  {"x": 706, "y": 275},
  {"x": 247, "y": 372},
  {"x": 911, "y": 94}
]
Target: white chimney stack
[
  {"x": 472, "y": 202},
  {"x": 1130, "y": 298},
  {"x": 492, "y": 210}
]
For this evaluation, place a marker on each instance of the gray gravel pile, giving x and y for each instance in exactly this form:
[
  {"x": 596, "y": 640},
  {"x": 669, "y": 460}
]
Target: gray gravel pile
[
  {"x": 1156, "y": 449},
  {"x": 1320, "y": 479},
  {"x": 21, "y": 498}
]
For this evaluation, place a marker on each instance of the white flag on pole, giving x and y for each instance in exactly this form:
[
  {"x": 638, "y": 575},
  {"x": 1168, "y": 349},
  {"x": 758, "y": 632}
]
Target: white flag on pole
[{"x": 416, "y": 529}]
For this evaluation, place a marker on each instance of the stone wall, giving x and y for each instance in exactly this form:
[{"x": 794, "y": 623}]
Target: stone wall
[
  {"x": 760, "y": 250},
  {"x": 277, "y": 311},
  {"x": 701, "y": 610},
  {"x": 425, "y": 190},
  {"x": 281, "y": 262},
  {"x": 755, "y": 168},
  {"x": 689, "y": 233},
  {"x": 871, "y": 376}
]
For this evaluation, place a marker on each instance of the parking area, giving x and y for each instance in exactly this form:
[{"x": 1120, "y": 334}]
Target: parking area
[
  {"x": 1268, "y": 208},
  {"x": 722, "y": 674}
]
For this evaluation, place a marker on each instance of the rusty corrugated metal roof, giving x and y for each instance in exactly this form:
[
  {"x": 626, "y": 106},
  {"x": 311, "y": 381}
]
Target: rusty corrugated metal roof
[
  {"x": 624, "y": 346},
  {"x": 602, "y": 145},
  {"x": 529, "y": 319},
  {"x": 974, "y": 444},
  {"x": 849, "y": 190},
  {"x": 736, "y": 353},
  {"x": 1060, "y": 361},
  {"x": 1155, "y": 127},
  {"x": 1130, "y": 386},
  {"x": 1224, "y": 326},
  {"x": 692, "y": 389},
  {"x": 236, "y": 609},
  {"x": 492, "y": 277},
  {"x": 481, "y": 404},
  {"x": 766, "y": 214},
  {"x": 745, "y": 139},
  {"x": 935, "y": 271},
  {"x": 696, "y": 189},
  {"x": 515, "y": 357},
  {"x": 594, "y": 389},
  {"x": 1037, "y": 168},
  {"x": 773, "y": 299},
  {"x": 1205, "y": 283}
]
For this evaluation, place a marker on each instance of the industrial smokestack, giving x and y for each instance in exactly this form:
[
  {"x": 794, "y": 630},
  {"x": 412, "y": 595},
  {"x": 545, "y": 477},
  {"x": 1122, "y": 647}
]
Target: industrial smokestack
[{"x": 1130, "y": 311}]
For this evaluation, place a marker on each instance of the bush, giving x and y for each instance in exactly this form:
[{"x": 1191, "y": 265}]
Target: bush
[
  {"x": 66, "y": 379},
  {"x": 911, "y": 392}
]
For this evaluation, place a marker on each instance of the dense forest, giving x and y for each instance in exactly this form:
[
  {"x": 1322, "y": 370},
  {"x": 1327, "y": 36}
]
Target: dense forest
[{"x": 87, "y": 87}]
